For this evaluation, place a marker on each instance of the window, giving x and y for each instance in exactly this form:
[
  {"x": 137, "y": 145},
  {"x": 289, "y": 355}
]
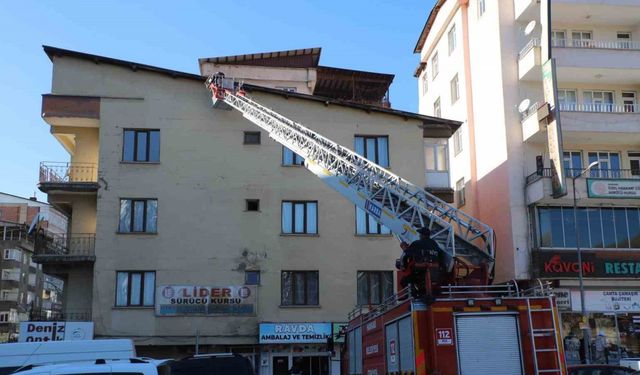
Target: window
[
  {"x": 567, "y": 100},
  {"x": 624, "y": 39},
  {"x": 251, "y": 138},
  {"x": 609, "y": 164},
  {"x": 11, "y": 274},
  {"x": 135, "y": 288},
  {"x": 629, "y": 101},
  {"x": 141, "y": 145},
  {"x": 597, "y": 227},
  {"x": 290, "y": 158},
  {"x": 252, "y": 277},
  {"x": 572, "y": 163},
  {"x": 374, "y": 287},
  {"x": 436, "y": 154},
  {"x": 138, "y": 215},
  {"x": 299, "y": 217},
  {"x": 460, "y": 192},
  {"x": 32, "y": 279},
  {"x": 435, "y": 69},
  {"x": 436, "y": 108},
  {"x": 4, "y": 317},
  {"x": 634, "y": 163},
  {"x": 425, "y": 83},
  {"x": 582, "y": 39},
  {"x": 481, "y": 8},
  {"x": 451, "y": 38},
  {"x": 455, "y": 90},
  {"x": 13, "y": 254},
  {"x": 367, "y": 224},
  {"x": 598, "y": 101},
  {"x": 457, "y": 141},
  {"x": 374, "y": 148},
  {"x": 253, "y": 204},
  {"x": 299, "y": 288},
  {"x": 558, "y": 38}
]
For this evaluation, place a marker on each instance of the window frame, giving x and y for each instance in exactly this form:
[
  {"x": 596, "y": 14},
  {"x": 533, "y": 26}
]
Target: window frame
[
  {"x": 458, "y": 146},
  {"x": 558, "y": 42},
  {"x": 567, "y": 157},
  {"x": 367, "y": 274},
  {"x": 562, "y": 102},
  {"x": 454, "y": 86},
  {"x": 376, "y": 138},
  {"x": 434, "y": 145},
  {"x": 306, "y": 273},
  {"x": 246, "y": 278},
  {"x": 461, "y": 190},
  {"x": 136, "y": 132},
  {"x": 142, "y": 288},
  {"x": 451, "y": 39},
  {"x": 293, "y": 218},
  {"x": 250, "y": 201},
  {"x": 379, "y": 226},
  {"x": 482, "y": 8},
  {"x": 631, "y": 96},
  {"x": 425, "y": 82},
  {"x": 294, "y": 157},
  {"x": 247, "y": 133},
  {"x": 634, "y": 156},
  {"x": 132, "y": 217},
  {"x": 435, "y": 68},
  {"x": 437, "y": 104}
]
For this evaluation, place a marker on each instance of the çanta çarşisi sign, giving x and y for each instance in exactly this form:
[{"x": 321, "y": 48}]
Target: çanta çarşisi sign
[{"x": 173, "y": 300}]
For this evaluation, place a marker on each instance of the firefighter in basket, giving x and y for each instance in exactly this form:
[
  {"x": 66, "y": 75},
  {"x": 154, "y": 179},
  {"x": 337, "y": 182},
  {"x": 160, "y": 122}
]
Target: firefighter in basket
[{"x": 423, "y": 264}]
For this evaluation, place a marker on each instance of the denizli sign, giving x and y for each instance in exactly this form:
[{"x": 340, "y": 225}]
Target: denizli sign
[{"x": 600, "y": 264}]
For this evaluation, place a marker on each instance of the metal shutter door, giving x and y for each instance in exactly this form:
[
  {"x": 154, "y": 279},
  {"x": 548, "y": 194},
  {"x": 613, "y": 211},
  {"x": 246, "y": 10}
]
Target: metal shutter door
[
  {"x": 488, "y": 345},
  {"x": 405, "y": 328}
]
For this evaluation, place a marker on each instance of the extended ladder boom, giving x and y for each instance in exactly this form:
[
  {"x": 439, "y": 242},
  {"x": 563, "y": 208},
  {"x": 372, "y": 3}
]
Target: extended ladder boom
[{"x": 392, "y": 201}]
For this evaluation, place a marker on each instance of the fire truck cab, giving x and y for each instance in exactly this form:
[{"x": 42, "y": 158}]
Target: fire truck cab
[{"x": 475, "y": 330}]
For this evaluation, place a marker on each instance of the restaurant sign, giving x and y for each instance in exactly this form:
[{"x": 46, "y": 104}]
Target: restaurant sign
[
  {"x": 599, "y": 264},
  {"x": 606, "y": 188},
  {"x": 301, "y": 333},
  {"x": 176, "y": 300}
]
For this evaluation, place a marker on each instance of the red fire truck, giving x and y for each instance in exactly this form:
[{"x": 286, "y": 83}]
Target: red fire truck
[{"x": 479, "y": 330}]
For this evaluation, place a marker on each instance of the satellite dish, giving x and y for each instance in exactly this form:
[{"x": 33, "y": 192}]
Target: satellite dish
[
  {"x": 530, "y": 27},
  {"x": 524, "y": 105}
]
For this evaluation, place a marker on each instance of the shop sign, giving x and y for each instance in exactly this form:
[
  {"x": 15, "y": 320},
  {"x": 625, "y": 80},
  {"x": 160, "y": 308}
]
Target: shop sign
[
  {"x": 606, "y": 188},
  {"x": 55, "y": 331},
  {"x": 608, "y": 300},
  {"x": 175, "y": 300},
  {"x": 300, "y": 333},
  {"x": 600, "y": 264},
  {"x": 337, "y": 329},
  {"x": 563, "y": 298}
]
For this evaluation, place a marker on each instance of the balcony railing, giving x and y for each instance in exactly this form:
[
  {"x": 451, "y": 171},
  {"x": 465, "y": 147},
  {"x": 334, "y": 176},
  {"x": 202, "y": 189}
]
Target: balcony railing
[
  {"x": 535, "y": 42},
  {"x": 54, "y": 172},
  {"x": 599, "y": 108},
  {"x": 593, "y": 173},
  {"x": 71, "y": 315},
  {"x": 13, "y": 232},
  {"x": 9, "y": 297},
  {"x": 600, "y": 44},
  {"x": 530, "y": 111},
  {"x": 74, "y": 245}
]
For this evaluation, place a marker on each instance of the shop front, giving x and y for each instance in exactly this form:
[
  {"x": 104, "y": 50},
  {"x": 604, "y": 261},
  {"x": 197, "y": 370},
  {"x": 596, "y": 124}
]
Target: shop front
[
  {"x": 611, "y": 302},
  {"x": 298, "y": 348}
]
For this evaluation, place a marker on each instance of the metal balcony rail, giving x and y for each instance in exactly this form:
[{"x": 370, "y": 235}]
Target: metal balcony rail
[
  {"x": 530, "y": 111},
  {"x": 72, "y": 315},
  {"x": 13, "y": 233},
  {"x": 74, "y": 245},
  {"x": 9, "y": 297},
  {"x": 599, "y": 107},
  {"x": 535, "y": 42},
  {"x": 56, "y": 172},
  {"x": 598, "y": 44},
  {"x": 593, "y": 173}
]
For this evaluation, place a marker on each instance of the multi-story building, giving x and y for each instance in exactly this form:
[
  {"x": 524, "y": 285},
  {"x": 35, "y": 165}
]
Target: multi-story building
[
  {"x": 186, "y": 204},
  {"x": 481, "y": 64}
]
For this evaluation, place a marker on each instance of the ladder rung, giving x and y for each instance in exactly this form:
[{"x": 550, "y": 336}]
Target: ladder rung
[
  {"x": 536, "y": 330},
  {"x": 546, "y": 350},
  {"x": 549, "y": 370},
  {"x": 540, "y": 310}
]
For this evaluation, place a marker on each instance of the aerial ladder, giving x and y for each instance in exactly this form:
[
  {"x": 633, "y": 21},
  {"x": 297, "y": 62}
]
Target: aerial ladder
[{"x": 394, "y": 202}]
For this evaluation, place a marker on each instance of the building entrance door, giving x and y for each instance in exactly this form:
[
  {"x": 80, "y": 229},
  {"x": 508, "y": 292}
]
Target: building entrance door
[
  {"x": 281, "y": 365},
  {"x": 312, "y": 365}
]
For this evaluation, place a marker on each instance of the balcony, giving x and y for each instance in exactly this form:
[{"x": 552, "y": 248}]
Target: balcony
[
  {"x": 66, "y": 249},
  {"x": 538, "y": 184},
  {"x": 68, "y": 315},
  {"x": 597, "y": 61},
  {"x": 68, "y": 177},
  {"x": 596, "y": 123},
  {"x": 529, "y": 61}
]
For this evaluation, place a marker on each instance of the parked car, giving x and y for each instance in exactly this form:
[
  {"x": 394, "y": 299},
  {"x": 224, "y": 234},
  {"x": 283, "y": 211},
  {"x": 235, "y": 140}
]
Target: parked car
[
  {"x": 212, "y": 364},
  {"x": 600, "y": 370},
  {"x": 138, "y": 366}
]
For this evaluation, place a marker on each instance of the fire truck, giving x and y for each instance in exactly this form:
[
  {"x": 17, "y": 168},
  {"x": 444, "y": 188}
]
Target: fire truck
[{"x": 469, "y": 326}]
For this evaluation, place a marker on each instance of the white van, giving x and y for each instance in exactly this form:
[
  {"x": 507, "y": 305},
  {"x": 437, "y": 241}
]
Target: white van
[
  {"x": 17, "y": 355},
  {"x": 137, "y": 366}
]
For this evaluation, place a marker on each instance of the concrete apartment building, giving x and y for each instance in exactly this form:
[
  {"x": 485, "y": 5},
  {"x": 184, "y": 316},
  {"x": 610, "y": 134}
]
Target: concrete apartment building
[
  {"x": 480, "y": 63},
  {"x": 182, "y": 201},
  {"x": 21, "y": 279}
]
